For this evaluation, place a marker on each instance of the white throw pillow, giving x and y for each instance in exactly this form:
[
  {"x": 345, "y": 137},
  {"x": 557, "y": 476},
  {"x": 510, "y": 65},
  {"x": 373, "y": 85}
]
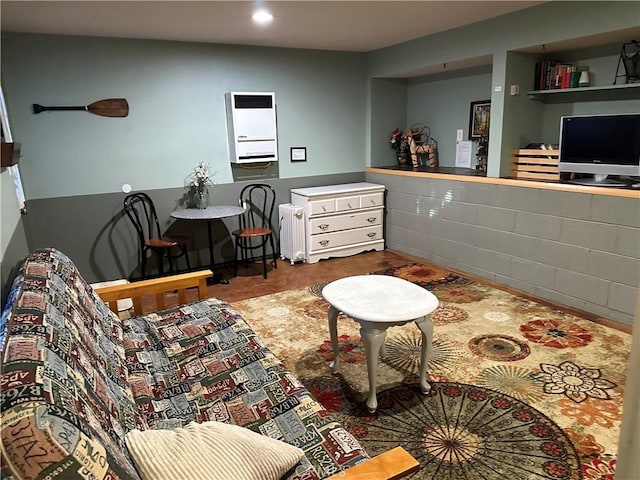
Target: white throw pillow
[{"x": 210, "y": 450}]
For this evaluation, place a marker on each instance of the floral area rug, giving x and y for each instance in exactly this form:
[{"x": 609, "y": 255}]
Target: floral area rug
[{"x": 519, "y": 390}]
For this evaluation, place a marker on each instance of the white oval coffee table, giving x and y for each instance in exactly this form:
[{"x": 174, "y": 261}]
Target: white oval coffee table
[{"x": 378, "y": 302}]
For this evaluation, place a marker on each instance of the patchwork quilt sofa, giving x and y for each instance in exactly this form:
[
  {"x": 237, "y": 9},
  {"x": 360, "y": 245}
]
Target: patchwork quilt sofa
[{"x": 77, "y": 381}]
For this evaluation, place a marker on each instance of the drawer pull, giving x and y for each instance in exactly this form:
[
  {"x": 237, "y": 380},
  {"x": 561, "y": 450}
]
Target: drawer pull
[
  {"x": 324, "y": 226},
  {"x": 373, "y": 202},
  {"x": 372, "y": 219},
  {"x": 349, "y": 205},
  {"x": 324, "y": 243},
  {"x": 324, "y": 209},
  {"x": 371, "y": 234}
]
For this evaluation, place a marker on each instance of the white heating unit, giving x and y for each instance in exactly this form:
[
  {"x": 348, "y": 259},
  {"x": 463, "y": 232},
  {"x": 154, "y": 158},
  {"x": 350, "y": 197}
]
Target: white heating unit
[
  {"x": 292, "y": 234},
  {"x": 251, "y": 125}
]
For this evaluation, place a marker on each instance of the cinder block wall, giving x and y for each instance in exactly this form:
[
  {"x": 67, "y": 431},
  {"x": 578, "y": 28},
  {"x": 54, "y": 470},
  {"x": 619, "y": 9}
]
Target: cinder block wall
[{"x": 577, "y": 249}]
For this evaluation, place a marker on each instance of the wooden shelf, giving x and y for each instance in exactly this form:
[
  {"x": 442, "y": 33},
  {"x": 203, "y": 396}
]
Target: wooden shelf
[
  {"x": 627, "y": 91},
  {"x": 512, "y": 182}
]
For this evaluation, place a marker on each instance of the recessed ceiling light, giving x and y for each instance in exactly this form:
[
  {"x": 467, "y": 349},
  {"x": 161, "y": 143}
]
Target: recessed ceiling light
[{"x": 262, "y": 17}]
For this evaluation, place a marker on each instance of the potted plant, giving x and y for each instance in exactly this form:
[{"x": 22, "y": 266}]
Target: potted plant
[
  {"x": 399, "y": 142},
  {"x": 199, "y": 181}
]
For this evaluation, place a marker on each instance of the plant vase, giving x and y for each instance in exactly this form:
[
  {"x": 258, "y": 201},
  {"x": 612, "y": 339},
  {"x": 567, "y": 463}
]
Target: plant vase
[{"x": 201, "y": 198}]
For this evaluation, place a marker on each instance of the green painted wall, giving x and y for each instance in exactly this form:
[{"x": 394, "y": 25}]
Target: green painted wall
[
  {"x": 388, "y": 112},
  {"x": 177, "y": 115},
  {"x": 92, "y": 230},
  {"x": 602, "y": 70},
  {"x": 339, "y": 105},
  {"x": 442, "y": 102},
  {"x": 13, "y": 239},
  {"x": 74, "y": 163},
  {"x": 543, "y": 24}
]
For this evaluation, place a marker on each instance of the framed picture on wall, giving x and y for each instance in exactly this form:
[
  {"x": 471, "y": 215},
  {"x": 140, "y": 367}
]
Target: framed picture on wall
[
  {"x": 298, "y": 154},
  {"x": 479, "y": 117}
]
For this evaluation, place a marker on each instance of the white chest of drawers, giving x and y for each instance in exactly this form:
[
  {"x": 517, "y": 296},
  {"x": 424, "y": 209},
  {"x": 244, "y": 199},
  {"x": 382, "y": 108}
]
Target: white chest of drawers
[{"x": 341, "y": 220}]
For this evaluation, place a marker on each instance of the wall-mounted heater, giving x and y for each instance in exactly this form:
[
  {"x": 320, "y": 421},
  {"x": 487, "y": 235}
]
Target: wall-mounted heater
[{"x": 251, "y": 124}]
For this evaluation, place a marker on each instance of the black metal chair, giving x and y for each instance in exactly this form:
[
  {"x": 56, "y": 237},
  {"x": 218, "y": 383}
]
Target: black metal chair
[
  {"x": 258, "y": 201},
  {"x": 142, "y": 212}
]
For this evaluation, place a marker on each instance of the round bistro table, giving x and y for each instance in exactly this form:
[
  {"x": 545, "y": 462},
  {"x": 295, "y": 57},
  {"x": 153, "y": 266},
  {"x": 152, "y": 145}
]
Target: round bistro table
[
  {"x": 378, "y": 302},
  {"x": 210, "y": 213}
]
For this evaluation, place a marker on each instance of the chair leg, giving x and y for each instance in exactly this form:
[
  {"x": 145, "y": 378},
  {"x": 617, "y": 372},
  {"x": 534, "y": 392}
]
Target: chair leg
[
  {"x": 235, "y": 258},
  {"x": 273, "y": 249},
  {"x": 264, "y": 259},
  {"x": 244, "y": 259},
  {"x": 170, "y": 260},
  {"x": 160, "y": 263},
  {"x": 245, "y": 250},
  {"x": 143, "y": 263},
  {"x": 186, "y": 256}
]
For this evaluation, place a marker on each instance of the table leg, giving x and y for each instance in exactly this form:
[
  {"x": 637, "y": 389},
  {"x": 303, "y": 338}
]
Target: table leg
[
  {"x": 426, "y": 327},
  {"x": 373, "y": 339},
  {"x": 333, "y": 333},
  {"x": 216, "y": 278}
]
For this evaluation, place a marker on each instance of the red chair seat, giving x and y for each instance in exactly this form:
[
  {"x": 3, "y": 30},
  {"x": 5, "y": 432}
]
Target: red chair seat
[
  {"x": 166, "y": 242},
  {"x": 252, "y": 232}
]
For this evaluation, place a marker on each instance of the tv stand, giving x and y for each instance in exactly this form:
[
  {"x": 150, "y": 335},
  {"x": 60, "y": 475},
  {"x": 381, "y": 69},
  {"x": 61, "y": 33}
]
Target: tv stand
[{"x": 598, "y": 181}]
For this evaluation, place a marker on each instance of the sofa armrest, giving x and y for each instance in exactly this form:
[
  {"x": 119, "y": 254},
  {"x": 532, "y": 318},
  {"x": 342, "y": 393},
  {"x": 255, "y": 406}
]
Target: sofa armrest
[
  {"x": 390, "y": 465},
  {"x": 157, "y": 287}
]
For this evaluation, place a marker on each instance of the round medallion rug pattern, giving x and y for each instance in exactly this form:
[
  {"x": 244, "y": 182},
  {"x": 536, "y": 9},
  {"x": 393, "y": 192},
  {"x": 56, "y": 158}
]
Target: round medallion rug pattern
[
  {"x": 502, "y": 348},
  {"x": 459, "y": 431},
  {"x": 560, "y": 366},
  {"x": 427, "y": 276}
]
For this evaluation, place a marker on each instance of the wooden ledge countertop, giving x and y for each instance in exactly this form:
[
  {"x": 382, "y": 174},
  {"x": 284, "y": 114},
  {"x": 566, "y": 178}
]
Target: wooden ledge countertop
[{"x": 459, "y": 175}]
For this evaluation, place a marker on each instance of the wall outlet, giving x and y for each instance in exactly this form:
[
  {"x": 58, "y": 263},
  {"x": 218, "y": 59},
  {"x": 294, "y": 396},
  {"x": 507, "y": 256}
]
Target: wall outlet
[
  {"x": 515, "y": 90},
  {"x": 459, "y": 135}
]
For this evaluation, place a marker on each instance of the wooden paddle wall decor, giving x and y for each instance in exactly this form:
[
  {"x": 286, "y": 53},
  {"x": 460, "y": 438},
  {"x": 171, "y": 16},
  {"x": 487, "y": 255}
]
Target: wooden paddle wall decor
[{"x": 110, "y": 107}]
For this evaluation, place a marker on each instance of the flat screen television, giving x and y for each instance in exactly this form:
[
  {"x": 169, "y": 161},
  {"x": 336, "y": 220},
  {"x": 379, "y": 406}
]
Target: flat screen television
[{"x": 602, "y": 146}]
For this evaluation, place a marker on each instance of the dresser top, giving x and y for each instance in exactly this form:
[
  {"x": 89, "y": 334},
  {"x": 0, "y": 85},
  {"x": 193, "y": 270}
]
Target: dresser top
[{"x": 338, "y": 189}]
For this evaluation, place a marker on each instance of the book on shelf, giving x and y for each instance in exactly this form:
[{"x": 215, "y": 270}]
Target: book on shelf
[
  {"x": 556, "y": 74},
  {"x": 565, "y": 75},
  {"x": 559, "y": 74},
  {"x": 546, "y": 74}
]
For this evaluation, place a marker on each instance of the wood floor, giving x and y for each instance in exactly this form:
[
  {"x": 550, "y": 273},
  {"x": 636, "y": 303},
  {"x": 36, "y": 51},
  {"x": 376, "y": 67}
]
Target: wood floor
[{"x": 249, "y": 282}]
